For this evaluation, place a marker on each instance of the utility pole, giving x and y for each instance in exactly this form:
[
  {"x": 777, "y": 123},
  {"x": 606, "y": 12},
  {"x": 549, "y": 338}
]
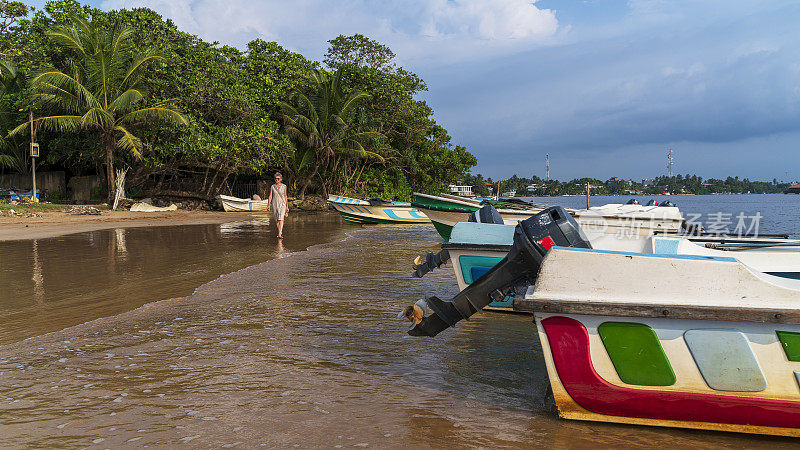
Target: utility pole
[
  {"x": 669, "y": 163},
  {"x": 34, "y": 154},
  {"x": 547, "y": 167},
  {"x": 587, "y": 194}
]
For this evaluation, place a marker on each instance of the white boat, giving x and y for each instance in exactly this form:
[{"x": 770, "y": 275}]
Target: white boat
[
  {"x": 445, "y": 211},
  {"x": 476, "y": 247},
  {"x": 242, "y": 204}
]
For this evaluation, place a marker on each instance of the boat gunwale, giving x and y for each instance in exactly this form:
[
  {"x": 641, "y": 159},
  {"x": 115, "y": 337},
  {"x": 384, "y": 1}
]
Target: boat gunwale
[
  {"x": 477, "y": 247},
  {"x": 662, "y": 311}
]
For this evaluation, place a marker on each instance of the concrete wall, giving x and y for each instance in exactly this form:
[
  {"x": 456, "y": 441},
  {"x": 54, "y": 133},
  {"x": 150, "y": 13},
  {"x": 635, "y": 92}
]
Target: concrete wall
[
  {"x": 45, "y": 182},
  {"x": 80, "y": 188}
]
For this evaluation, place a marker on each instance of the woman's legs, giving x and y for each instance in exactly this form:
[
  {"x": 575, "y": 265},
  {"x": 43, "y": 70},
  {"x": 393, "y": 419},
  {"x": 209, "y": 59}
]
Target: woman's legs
[{"x": 280, "y": 228}]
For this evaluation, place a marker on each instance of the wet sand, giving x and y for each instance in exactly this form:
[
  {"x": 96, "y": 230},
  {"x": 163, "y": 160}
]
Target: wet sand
[
  {"x": 303, "y": 350},
  {"x": 59, "y": 223}
]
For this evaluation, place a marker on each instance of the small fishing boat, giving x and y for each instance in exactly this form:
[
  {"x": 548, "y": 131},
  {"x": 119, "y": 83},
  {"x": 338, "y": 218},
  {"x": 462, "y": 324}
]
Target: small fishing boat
[
  {"x": 373, "y": 210},
  {"x": 445, "y": 211},
  {"x": 474, "y": 248},
  {"x": 650, "y": 339},
  {"x": 242, "y": 204}
]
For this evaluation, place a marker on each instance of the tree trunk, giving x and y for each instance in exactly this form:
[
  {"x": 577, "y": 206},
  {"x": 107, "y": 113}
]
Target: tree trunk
[{"x": 108, "y": 146}]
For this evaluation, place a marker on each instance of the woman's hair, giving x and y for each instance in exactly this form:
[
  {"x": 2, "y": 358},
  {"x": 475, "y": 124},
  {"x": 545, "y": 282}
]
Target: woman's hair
[{"x": 278, "y": 174}]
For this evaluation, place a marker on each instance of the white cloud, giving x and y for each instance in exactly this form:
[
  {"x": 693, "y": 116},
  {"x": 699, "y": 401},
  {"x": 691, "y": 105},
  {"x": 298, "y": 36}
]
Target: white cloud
[{"x": 434, "y": 31}]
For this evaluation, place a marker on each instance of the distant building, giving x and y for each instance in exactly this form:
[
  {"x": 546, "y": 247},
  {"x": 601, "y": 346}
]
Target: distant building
[
  {"x": 648, "y": 182},
  {"x": 511, "y": 193},
  {"x": 461, "y": 191},
  {"x": 533, "y": 187}
]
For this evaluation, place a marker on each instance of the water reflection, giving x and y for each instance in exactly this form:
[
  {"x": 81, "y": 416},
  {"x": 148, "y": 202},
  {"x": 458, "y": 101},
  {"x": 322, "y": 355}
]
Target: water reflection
[{"x": 57, "y": 282}]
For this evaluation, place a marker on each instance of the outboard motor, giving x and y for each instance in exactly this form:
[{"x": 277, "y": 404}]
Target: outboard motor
[
  {"x": 666, "y": 203},
  {"x": 632, "y": 201},
  {"x": 487, "y": 214},
  {"x": 533, "y": 237},
  {"x": 652, "y": 203}
]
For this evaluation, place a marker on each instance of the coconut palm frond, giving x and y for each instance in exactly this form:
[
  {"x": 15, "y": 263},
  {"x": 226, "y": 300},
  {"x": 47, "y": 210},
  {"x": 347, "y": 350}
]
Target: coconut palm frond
[
  {"x": 97, "y": 118},
  {"x": 138, "y": 65},
  {"x": 129, "y": 142},
  {"x": 50, "y": 80},
  {"x": 126, "y": 100}
]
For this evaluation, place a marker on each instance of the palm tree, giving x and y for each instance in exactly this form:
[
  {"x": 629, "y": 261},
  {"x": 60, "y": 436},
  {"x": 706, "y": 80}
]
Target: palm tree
[
  {"x": 104, "y": 91},
  {"x": 323, "y": 128}
]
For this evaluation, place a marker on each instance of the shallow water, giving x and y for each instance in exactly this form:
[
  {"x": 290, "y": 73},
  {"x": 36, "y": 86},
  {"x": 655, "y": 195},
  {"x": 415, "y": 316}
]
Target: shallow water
[
  {"x": 303, "y": 350},
  {"x": 53, "y": 283}
]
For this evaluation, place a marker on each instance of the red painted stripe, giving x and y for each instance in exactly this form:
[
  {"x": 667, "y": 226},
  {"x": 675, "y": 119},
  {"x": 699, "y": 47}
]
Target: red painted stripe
[{"x": 569, "y": 344}]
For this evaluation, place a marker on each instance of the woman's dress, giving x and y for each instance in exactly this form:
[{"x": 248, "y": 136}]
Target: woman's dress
[{"x": 278, "y": 201}]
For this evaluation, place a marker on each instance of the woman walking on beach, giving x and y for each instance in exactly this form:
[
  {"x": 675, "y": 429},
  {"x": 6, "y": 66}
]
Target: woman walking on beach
[{"x": 277, "y": 202}]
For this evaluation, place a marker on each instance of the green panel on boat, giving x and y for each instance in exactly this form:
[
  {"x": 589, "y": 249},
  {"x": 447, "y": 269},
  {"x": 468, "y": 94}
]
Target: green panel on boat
[
  {"x": 636, "y": 353},
  {"x": 790, "y": 341}
]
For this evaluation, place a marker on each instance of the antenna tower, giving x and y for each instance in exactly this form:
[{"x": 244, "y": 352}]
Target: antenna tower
[
  {"x": 669, "y": 163},
  {"x": 547, "y": 167}
]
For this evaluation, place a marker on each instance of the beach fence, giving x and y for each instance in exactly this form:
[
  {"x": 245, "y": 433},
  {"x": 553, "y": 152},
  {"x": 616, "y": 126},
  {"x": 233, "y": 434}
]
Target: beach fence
[{"x": 47, "y": 183}]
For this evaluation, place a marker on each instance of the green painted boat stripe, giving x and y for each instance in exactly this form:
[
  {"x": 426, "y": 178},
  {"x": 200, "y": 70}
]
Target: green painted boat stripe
[
  {"x": 636, "y": 353},
  {"x": 790, "y": 341}
]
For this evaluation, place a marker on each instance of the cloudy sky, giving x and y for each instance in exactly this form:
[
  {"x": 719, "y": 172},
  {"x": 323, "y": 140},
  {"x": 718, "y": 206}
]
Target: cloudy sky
[{"x": 605, "y": 86}]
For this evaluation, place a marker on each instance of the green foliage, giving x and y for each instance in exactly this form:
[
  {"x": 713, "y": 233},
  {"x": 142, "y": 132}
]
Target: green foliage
[{"x": 13, "y": 152}]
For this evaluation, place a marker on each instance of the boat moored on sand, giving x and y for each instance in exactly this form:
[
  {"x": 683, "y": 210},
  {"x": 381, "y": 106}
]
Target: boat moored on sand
[
  {"x": 358, "y": 211},
  {"x": 235, "y": 204},
  {"x": 707, "y": 342}
]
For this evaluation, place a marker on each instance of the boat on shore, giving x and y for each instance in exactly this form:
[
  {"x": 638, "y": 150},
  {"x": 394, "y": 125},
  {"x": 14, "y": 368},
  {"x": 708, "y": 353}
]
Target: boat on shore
[
  {"x": 235, "y": 204},
  {"x": 668, "y": 340},
  {"x": 372, "y": 211},
  {"x": 445, "y": 211}
]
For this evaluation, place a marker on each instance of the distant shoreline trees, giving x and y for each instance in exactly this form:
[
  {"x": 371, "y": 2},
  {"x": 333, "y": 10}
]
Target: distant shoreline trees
[{"x": 679, "y": 184}]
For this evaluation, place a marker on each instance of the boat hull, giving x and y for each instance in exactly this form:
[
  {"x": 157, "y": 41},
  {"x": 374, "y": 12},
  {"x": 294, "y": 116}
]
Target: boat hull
[
  {"x": 707, "y": 344},
  {"x": 587, "y": 386},
  {"x": 357, "y": 211}
]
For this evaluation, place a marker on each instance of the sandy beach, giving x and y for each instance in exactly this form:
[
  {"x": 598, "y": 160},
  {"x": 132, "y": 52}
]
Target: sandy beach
[{"x": 57, "y": 223}]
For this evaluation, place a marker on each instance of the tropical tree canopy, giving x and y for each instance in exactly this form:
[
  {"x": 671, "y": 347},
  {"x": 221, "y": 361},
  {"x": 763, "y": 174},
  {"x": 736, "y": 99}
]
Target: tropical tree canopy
[
  {"x": 327, "y": 137},
  {"x": 234, "y": 99},
  {"x": 105, "y": 90}
]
